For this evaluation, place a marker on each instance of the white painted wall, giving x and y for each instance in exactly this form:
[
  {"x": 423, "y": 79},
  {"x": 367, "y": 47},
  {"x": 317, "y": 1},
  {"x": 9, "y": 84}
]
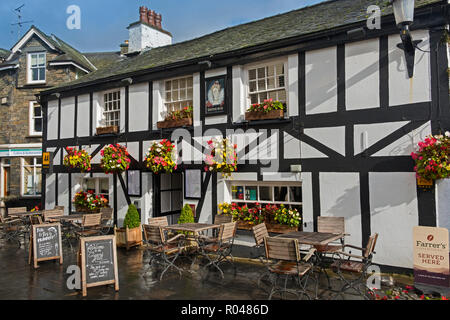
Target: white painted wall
[
  {"x": 394, "y": 213},
  {"x": 52, "y": 122},
  {"x": 321, "y": 81},
  {"x": 50, "y": 191},
  {"x": 291, "y": 147},
  {"x": 239, "y": 98},
  {"x": 443, "y": 203},
  {"x": 340, "y": 197},
  {"x": 196, "y": 98},
  {"x": 83, "y": 115},
  {"x": 309, "y": 152},
  {"x": 142, "y": 36},
  {"x": 63, "y": 192},
  {"x": 67, "y": 117},
  {"x": 138, "y": 107},
  {"x": 362, "y": 76},
  {"x": 332, "y": 137},
  {"x": 292, "y": 85},
  {"x": 403, "y": 90},
  {"x": 307, "y": 199}
]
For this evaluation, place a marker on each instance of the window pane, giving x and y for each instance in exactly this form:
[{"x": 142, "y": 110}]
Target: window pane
[
  {"x": 28, "y": 161},
  {"x": 177, "y": 200},
  {"x": 183, "y": 95},
  {"x": 35, "y": 74},
  {"x": 38, "y": 125},
  {"x": 38, "y": 177},
  {"x": 280, "y": 194},
  {"x": 281, "y": 81},
  {"x": 182, "y": 83},
  {"x": 273, "y": 95},
  {"x": 265, "y": 193},
  {"x": 270, "y": 83},
  {"x": 168, "y": 85},
  {"x": 41, "y": 60},
  {"x": 252, "y": 74},
  {"x": 254, "y": 98},
  {"x": 251, "y": 193},
  {"x": 168, "y": 96},
  {"x": 190, "y": 82},
  {"x": 38, "y": 161},
  {"x": 177, "y": 181},
  {"x": 270, "y": 71},
  {"x": 37, "y": 111},
  {"x": 28, "y": 181},
  {"x": 175, "y": 84},
  {"x": 261, "y": 73},
  {"x": 104, "y": 186},
  {"x": 175, "y": 96},
  {"x": 261, "y": 85},
  {"x": 280, "y": 69},
  {"x": 165, "y": 201},
  {"x": 252, "y": 86},
  {"x": 189, "y": 94},
  {"x": 282, "y": 95},
  {"x": 33, "y": 60},
  {"x": 238, "y": 192},
  {"x": 42, "y": 74},
  {"x": 295, "y": 194},
  {"x": 263, "y": 96}
]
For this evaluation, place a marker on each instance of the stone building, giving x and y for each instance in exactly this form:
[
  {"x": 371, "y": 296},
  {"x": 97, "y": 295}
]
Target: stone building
[{"x": 36, "y": 62}]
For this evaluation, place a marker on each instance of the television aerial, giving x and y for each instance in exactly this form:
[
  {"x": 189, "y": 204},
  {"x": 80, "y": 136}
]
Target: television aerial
[{"x": 19, "y": 23}]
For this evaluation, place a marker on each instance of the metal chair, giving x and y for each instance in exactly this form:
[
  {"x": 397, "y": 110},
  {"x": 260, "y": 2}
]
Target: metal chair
[
  {"x": 260, "y": 233},
  {"x": 221, "y": 247},
  {"x": 107, "y": 220},
  {"x": 287, "y": 262},
  {"x": 11, "y": 229},
  {"x": 343, "y": 265},
  {"x": 163, "y": 251}
]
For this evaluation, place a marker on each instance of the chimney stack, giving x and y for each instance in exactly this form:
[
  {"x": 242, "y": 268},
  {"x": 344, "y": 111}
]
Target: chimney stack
[
  {"x": 143, "y": 11},
  {"x": 147, "y": 32}
]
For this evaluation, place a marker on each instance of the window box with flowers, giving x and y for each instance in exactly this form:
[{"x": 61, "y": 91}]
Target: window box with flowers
[
  {"x": 177, "y": 118},
  {"x": 115, "y": 159},
  {"x": 89, "y": 202},
  {"x": 266, "y": 110},
  {"x": 160, "y": 157},
  {"x": 433, "y": 158},
  {"x": 77, "y": 159},
  {"x": 222, "y": 158}
]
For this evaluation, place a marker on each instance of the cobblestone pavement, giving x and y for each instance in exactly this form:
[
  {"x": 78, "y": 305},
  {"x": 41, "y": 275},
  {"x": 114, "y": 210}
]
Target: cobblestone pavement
[{"x": 138, "y": 281}]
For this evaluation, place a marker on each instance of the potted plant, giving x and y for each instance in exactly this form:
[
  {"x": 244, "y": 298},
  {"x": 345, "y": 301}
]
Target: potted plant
[
  {"x": 89, "y": 202},
  {"x": 78, "y": 159},
  {"x": 103, "y": 129},
  {"x": 131, "y": 233},
  {"x": 160, "y": 157},
  {"x": 222, "y": 158},
  {"x": 115, "y": 159},
  {"x": 269, "y": 109},
  {"x": 177, "y": 118},
  {"x": 288, "y": 220}
]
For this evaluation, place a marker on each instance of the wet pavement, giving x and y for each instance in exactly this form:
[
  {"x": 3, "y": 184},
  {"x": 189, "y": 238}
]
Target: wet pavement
[{"x": 137, "y": 280}]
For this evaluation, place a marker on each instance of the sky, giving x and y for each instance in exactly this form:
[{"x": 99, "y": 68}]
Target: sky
[{"x": 104, "y": 22}]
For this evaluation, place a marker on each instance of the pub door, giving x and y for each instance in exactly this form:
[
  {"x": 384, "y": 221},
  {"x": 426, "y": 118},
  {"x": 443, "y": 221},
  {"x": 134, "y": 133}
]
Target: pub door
[{"x": 168, "y": 196}]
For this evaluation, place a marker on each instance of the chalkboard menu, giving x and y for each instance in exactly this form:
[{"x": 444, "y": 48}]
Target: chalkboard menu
[
  {"x": 45, "y": 243},
  {"x": 98, "y": 262}
]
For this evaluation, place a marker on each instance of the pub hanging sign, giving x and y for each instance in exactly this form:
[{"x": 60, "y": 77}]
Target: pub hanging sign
[{"x": 215, "y": 95}]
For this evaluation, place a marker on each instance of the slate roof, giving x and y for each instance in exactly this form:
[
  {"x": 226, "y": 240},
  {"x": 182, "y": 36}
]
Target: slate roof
[
  {"x": 103, "y": 59},
  {"x": 308, "y": 20}
]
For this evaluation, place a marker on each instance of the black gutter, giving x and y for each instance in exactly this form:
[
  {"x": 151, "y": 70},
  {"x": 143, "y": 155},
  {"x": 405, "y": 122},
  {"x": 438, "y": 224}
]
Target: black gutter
[{"x": 388, "y": 23}]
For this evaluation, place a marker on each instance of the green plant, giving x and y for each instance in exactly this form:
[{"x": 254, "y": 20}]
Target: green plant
[
  {"x": 185, "y": 113},
  {"x": 160, "y": 157},
  {"x": 115, "y": 159},
  {"x": 289, "y": 217},
  {"x": 132, "y": 219},
  {"x": 266, "y": 106},
  {"x": 77, "y": 159},
  {"x": 186, "y": 216},
  {"x": 223, "y": 157}
]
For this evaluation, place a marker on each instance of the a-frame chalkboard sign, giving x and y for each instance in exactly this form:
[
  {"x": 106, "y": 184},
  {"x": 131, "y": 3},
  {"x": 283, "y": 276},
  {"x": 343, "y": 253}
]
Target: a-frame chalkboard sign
[
  {"x": 45, "y": 243},
  {"x": 98, "y": 262}
]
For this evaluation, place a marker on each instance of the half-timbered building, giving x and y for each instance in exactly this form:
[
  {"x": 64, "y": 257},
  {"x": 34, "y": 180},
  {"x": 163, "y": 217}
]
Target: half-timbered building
[{"x": 343, "y": 148}]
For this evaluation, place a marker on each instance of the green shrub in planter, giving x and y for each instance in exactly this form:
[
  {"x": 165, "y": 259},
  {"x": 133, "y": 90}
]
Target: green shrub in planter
[
  {"x": 132, "y": 219},
  {"x": 186, "y": 215}
]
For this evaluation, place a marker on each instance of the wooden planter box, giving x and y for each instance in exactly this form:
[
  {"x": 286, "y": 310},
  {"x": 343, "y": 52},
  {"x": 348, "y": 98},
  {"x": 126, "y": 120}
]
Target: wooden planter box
[
  {"x": 127, "y": 238},
  {"x": 273, "y": 228},
  {"x": 274, "y": 114},
  {"x": 174, "y": 123},
  {"x": 107, "y": 130},
  {"x": 86, "y": 210}
]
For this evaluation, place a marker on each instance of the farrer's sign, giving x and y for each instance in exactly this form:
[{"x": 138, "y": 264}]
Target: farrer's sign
[{"x": 431, "y": 256}]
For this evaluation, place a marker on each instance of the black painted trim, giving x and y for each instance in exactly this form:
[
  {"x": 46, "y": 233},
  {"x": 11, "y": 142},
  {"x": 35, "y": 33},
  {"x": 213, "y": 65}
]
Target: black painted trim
[
  {"x": 365, "y": 207},
  {"x": 59, "y": 118},
  {"x": 127, "y": 109},
  {"x": 150, "y": 106},
  {"x": 199, "y": 208},
  {"x": 124, "y": 189},
  {"x": 91, "y": 114},
  {"x": 384, "y": 72},
  {"x": 115, "y": 199},
  {"x": 302, "y": 84},
  {"x": 341, "y": 103},
  {"x": 75, "y": 127},
  {"x": 315, "y": 186}
]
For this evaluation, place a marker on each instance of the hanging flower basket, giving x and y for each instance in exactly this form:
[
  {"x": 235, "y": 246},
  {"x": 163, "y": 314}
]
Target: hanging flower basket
[
  {"x": 269, "y": 109},
  {"x": 77, "y": 159},
  {"x": 433, "y": 158},
  {"x": 222, "y": 158},
  {"x": 160, "y": 157},
  {"x": 115, "y": 159}
]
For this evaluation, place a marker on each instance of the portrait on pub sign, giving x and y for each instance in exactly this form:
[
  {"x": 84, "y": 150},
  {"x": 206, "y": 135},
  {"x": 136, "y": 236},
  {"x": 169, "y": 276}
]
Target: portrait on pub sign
[{"x": 215, "y": 95}]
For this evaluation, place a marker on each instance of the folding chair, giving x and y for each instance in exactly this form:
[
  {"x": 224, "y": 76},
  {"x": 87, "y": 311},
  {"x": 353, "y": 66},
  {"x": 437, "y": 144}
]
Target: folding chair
[
  {"x": 89, "y": 225},
  {"x": 163, "y": 251},
  {"x": 107, "y": 220},
  {"x": 221, "y": 219},
  {"x": 260, "y": 233},
  {"x": 221, "y": 247},
  {"x": 287, "y": 262},
  {"x": 49, "y": 214},
  {"x": 11, "y": 229},
  {"x": 344, "y": 265}
]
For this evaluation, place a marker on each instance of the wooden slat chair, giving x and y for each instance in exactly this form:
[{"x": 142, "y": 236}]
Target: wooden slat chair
[
  {"x": 330, "y": 225},
  {"x": 49, "y": 214},
  {"x": 59, "y": 208},
  {"x": 286, "y": 261},
  {"x": 107, "y": 220},
  {"x": 11, "y": 229},
  {"x": 16, "y": 210},
  {"x": 163, "y": 251},
  {"x": 344, "y": 265},
  {"x": 159, "y": 221},
  {"x": 221, "y": 219},
  {"x": 218, "y": 250},
  {"x": 260, "y": 233},
  {"x": 35, "y": 220},
  {"x": 89, "y": 225}
]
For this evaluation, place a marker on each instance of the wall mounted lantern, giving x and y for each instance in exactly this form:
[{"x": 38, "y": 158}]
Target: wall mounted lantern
[{"x": 404, "y": 17}]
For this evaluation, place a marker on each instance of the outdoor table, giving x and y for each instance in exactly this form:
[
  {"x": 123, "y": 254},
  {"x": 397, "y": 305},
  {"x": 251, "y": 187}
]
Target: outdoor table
[
  {"x": 315, "y": 239},
  {"x": 24, "y": 216},
  {"x": 68, "y": 227}
]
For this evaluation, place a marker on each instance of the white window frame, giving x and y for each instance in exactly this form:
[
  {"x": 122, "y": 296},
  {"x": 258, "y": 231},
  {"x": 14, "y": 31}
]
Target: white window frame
[
  {"x": 22, "y": 176},
  {"x": 29, "y": 68},
  {"x": 97, "y": 185},
  {"x": 32, "y": 131},
  {"x": 103, "y": 107},
  {"x": 261, "y": 64},
  {"x": 259, "y": 184},
  {"x": 165, "y": 103}
]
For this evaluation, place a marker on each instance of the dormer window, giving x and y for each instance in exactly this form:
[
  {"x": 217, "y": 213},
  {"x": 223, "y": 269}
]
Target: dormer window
[{"x": 36, "y": 67}]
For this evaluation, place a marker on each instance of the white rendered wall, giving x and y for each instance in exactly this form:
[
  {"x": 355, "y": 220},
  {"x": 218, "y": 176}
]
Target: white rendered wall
[
  {"x": 50, "y": 185},
  {"x": 239, "y": 99},
  {"x": 321, "y": 81},
  {"x": 443, "y": 203},
  {"x": 307, "y": 202},
  {"x": 67, "y": 117},
  {"x": 403, "y": 90},
  {"x": 292, "y": 85},
  {"x": 63, "y": 192},
  {"x": 142, "y": 36},
  {"x": 83, "y": 115},
  {"x": 138, "y": 107},
  {"x": 394, "y": 213},
  {"x": 362, "y": 74},
  {"x": 340, "y": 197},
  {"x": 52, "y": 120},
  {"x": 332, "y": 137}
]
